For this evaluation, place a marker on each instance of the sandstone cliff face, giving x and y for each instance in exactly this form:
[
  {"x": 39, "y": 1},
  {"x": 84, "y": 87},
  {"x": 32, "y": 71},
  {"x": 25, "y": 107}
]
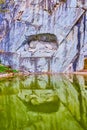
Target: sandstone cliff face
[{"x": 66, "y": 19}]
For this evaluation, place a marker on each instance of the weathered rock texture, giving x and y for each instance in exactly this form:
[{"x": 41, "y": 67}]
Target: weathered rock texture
[{"x": 66, "y": 19}]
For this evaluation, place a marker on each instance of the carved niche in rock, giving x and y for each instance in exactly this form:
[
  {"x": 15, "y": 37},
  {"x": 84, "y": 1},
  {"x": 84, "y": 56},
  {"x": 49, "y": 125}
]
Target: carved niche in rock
[{"x": 44, "y": 44}]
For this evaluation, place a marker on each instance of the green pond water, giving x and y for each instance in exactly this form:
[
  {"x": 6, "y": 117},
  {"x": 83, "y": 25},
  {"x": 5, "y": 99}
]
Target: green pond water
[{"x": 43, "y": 102}]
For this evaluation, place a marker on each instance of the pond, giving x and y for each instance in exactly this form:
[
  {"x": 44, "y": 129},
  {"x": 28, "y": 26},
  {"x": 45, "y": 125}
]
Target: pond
[{"x": 44, "y": 102}]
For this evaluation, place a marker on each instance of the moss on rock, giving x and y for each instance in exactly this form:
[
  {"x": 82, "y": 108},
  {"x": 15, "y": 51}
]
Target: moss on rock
[
  {"x": 2, "y": 1},
  {"x": 45, "y": 37},
  {"x": 85, "y": 63}
]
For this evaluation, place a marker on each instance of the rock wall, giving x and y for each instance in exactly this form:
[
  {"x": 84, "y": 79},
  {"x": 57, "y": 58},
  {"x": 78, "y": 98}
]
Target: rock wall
[{"x": 66, "y": 19}]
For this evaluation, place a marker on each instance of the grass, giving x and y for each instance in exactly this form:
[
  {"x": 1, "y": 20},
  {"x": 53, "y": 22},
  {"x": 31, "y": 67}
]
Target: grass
[{"x": 6, "y": 69}]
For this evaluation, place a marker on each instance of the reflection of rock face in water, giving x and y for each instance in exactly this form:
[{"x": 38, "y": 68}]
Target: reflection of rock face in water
[
  {"x": 40, "y": 94},
  {"x": 53, "y": 103},
  {"x": 47, "y": 107},
  {"x": 45, "y": 101}
]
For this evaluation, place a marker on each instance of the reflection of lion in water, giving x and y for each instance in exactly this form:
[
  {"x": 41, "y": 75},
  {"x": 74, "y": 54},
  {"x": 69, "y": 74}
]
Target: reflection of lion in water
[
  {"x": 46, "y": 101},
  {"x": 45, "y": 37}
]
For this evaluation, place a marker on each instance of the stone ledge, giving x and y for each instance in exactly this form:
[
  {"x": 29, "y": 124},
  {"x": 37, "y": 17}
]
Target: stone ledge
[{"x": 5, "y": 75}]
